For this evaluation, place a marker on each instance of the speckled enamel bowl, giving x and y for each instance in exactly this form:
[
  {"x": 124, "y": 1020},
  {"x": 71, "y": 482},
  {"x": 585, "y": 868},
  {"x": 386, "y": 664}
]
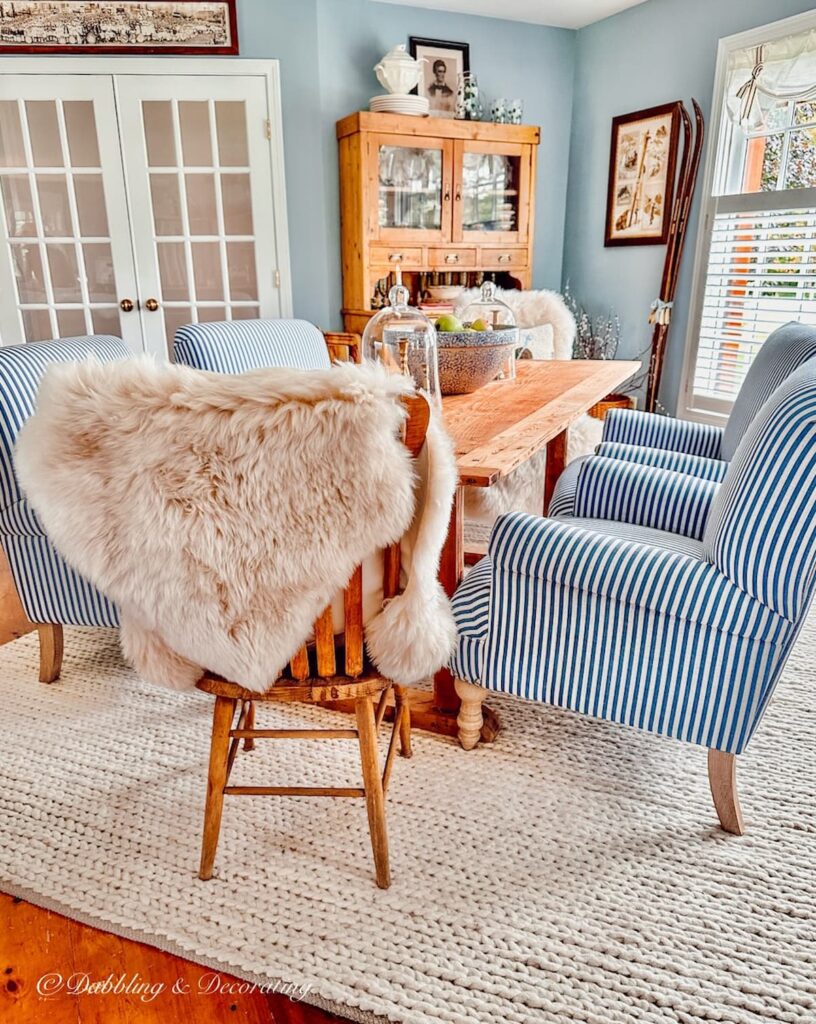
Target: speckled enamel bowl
[{"x": 470, "y": 359}]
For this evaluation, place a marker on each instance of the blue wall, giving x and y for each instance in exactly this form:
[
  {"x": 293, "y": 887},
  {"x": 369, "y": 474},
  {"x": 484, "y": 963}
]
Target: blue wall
[
  {"x": 327, "y": 49},
  {"x": 654, "y": 53}
]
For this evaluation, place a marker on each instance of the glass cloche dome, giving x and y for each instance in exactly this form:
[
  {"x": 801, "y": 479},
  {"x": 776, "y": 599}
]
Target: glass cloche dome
[
  {"x": 403, "y": 338},
  {"x": 489, "y": 313}
]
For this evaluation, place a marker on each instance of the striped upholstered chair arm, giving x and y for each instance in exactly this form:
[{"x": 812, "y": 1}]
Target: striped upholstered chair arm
[
  {"x": 524, "y": 548},
  {"x": 644, "y": 428},
  {"x": 663, "y": 458},
  {"x": 643, "y": 496}
]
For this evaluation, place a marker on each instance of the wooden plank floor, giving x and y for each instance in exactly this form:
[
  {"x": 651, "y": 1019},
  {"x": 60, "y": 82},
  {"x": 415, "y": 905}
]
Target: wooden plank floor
[{"x": 38, "y": 944}]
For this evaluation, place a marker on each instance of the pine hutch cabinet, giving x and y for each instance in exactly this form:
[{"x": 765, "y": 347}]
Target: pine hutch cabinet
[{"x": 447, "y": 201}]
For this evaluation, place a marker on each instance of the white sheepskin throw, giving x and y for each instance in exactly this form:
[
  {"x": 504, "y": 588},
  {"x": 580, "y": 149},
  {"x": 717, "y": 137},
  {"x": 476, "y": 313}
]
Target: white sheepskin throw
[
  {"x": 221, "y": 513},
  {"x": 546, "y": 325}
]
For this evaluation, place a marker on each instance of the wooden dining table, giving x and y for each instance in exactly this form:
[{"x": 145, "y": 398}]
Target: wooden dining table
[{"x": 495, "y": 430}]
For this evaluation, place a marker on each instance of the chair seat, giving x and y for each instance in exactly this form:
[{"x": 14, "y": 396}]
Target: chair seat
[{"x": 312, "y": 691}]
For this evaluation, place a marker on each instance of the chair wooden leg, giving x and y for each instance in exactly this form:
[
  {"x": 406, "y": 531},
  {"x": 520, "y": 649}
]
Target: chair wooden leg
[
  {"x": 470, "y": 718},
  {"x": 722, "y": 777},
  {"x": 405, "y": 722},
  {"x": 374, "y": 796},
  {"x": 216, "y": 780},
  {"x": 249, "y": 743},
  {"x": 50, "y": 636}
]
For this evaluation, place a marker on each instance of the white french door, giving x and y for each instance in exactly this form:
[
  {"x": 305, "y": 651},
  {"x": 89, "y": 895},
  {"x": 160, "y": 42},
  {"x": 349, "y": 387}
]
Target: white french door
[
  {"x": 134, "y": 203},
  {"x": 67, "y": 261}
]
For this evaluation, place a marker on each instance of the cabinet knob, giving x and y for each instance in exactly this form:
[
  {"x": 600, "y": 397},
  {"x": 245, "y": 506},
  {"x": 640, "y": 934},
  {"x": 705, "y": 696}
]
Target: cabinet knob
[
  {"x": 452, "y": 257},
  {"x": 152, "y": 305},
  {"x": 446, "y": 197},
  {"x": 505, "y": 257},
  {"x": 458, "y": 195},
  {"x": 396, "y": 257},
  {"x": 126, "y": 305}
]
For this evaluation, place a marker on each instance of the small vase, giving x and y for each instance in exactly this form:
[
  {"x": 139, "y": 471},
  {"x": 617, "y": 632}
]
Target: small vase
[{"x": 468, "y": 100}]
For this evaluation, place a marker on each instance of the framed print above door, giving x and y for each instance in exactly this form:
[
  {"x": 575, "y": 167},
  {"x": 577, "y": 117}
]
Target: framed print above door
[
  {"x": 111, "y": 26},
  {"x": 642, "y": 158}
]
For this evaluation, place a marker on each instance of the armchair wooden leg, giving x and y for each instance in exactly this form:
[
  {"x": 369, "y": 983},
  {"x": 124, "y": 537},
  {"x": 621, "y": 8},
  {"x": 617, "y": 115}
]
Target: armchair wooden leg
[
  {"x": 216, "y": 780},
  {"x": 374, "y": 796},
  {"x": 249, "y": 723},
  {"x": 401, "y": 701},
  {"x": 722, "y": 777},
  {"x": 470, "y": 719},
  {"x": 50, "y": 636}
]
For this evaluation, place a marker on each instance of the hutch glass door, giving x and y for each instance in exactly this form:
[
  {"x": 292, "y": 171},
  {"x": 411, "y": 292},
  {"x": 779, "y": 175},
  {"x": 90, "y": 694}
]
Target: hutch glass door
[
  {"x": 490, "y": 179},
  {"x": 413, "y": 188}
]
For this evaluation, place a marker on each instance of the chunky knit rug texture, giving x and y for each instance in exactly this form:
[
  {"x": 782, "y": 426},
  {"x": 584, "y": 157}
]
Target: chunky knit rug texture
[{"x": 570, "y": 872}]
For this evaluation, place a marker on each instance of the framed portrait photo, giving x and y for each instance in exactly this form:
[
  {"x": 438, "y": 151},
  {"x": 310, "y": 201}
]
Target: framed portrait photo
[
  {"x": 642, "y": 158},
  {"x": 444, "y": 62},
  {"x": 118, "y": 26}
]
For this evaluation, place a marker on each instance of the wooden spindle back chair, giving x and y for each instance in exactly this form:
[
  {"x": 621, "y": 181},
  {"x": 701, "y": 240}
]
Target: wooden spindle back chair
[{"x": 327, "y": 670}]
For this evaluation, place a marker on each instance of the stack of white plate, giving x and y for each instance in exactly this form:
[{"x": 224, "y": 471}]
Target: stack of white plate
[{"x": 399, "y": 103}]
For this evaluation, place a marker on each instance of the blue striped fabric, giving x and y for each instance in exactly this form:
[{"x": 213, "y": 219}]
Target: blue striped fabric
[
  {"x": 782, "y": 352},
  {"x": 49, "y": 590},
  {"x": 623, "y": 631},
  {"x": 562, "y": 502},
  {"x": 628, "y": 426},
  {"x": 642, "y": 535},
  {"x": 643, "y": 496},
  {"x": 238, "y": 346},
  {"x": 762, "y": 530},
  {"x": 663, "y": 458},
  {"x": 471, "y": 612}
]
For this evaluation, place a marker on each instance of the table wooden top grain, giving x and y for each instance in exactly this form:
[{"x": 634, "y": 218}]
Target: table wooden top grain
[{"x": 503, "y": 424}]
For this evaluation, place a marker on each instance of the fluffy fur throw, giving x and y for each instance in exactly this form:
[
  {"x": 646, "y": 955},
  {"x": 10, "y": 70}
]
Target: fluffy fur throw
[
  {"x": 546, "y": 325},
  {"x": 222, "y": 512}
]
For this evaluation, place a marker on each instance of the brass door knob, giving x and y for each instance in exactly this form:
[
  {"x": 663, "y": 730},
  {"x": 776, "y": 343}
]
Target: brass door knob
[
  {"x": 152, "y": 305},
  {"x": 126, "y": 305}
]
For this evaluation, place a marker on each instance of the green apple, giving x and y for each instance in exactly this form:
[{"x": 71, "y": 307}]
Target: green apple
[{"x": 448, "y": 324}]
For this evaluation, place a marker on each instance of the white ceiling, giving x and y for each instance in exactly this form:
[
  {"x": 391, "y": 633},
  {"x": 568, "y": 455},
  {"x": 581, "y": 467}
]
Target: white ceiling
[{"x": 559, "y": 13}]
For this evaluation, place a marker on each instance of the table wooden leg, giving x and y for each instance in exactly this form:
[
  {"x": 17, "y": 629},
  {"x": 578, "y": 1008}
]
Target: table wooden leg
[{"x": 556, "y": 462}]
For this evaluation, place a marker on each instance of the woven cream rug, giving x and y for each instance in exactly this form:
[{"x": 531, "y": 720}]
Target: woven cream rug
[{"x": 570, "y": 872}]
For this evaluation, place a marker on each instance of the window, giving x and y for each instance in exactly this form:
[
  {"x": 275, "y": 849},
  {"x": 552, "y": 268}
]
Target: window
[{"x": 756, "y": 260}]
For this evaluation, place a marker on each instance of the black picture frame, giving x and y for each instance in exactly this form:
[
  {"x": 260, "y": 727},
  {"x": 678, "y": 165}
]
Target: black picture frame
[{"x": 458, "y": 52}]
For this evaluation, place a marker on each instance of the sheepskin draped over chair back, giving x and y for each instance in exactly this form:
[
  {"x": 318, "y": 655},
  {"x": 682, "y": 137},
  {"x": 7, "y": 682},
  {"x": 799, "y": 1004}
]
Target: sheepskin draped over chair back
[{"x": 223, "y": 512}]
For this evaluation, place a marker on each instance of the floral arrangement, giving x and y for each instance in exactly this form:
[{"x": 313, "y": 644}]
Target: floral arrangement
[{"x": 596, "y": 337}]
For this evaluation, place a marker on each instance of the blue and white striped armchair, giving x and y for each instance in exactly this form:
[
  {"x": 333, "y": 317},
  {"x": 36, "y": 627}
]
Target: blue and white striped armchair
[
  {"x": 679, "y": 636},
  {"x": 52, "y": 594},
  {"x": 698, "y": 449},
  {"x": 238, "y": 346}
]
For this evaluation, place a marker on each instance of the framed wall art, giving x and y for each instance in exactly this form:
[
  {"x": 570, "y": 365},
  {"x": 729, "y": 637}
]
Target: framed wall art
[
  {"x": 444, "y": 62},
  {"x": 642, "y": 158},
  {"x": 118, "y": 26}
]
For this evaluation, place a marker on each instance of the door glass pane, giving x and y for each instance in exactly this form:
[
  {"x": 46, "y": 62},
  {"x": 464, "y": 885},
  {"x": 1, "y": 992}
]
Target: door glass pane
[
  {"x": 230, "y": 126},
  {"x": 37, "y": 325},
  {"x": 28, "y": 272},
  {"x": 243, "y": 281},
  {"x": 175, "y": 317},
  {"x": 52, "y": 191},
  {"x": 201, "y": 212},
  {"x": 80, "y": 131},
  {"x": 158, "y": 129},
  {"x": 12, "y": 151},
  {"x": 99, "y": 271},
  {"x": 173, "y": 271},
  {"x": 194, "y": 121},
  {"x": 210, "y": 314},
  {"x": 90, "y": 201},
  {"x": 18, "y": 205},
  {"x": 164, "y": 196},
  {"x": 62, "y": 266},
  {"x": 490, "y": 196},
  {"x": 410, "y": 187},
  {"x": 43, "y": 129},
  {"x": 207, "y": 270},
  {"x": 245, "y": 312},
  {"x": 106, "y": 320},
  {"x": 71, "y": 323},
  {"x": 237, "y": 201}
]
